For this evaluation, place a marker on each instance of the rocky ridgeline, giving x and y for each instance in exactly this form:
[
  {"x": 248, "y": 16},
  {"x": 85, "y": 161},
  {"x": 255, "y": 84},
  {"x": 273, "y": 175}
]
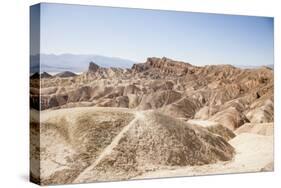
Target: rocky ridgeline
[
  {"x": 164, "y": 65},
  {"x": 223, "y": 93}
]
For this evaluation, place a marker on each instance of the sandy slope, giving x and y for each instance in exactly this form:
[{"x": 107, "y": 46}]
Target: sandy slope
[
  {"x": 71, "y": 139},
  {"x": 254, "y": 153},
  {"x": 86, "y": 144},
  {"x": 153, "y": 140},
  {"x": 89, "y": 144}
]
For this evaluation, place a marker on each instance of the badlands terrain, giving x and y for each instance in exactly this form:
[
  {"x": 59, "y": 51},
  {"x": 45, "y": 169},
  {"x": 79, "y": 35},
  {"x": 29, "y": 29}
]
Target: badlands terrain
[{"x": 160, "y": 118}]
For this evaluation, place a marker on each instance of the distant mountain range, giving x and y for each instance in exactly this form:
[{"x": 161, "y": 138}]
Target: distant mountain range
[
  {"x": 75, "y": 63},
  {"x": 79, "y": 63},
  {"x": 254, "y": 67}
]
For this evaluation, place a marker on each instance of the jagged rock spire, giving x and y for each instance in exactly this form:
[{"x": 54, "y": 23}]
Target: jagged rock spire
[{"x": 93, "y": 67}]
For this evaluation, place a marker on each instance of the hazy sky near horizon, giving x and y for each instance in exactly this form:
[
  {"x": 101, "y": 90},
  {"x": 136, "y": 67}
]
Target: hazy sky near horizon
[{"x": 136, "y": 34}]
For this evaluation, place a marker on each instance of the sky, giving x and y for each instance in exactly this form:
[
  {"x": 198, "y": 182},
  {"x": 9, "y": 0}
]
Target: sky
[{"x": 136, "y": 34}]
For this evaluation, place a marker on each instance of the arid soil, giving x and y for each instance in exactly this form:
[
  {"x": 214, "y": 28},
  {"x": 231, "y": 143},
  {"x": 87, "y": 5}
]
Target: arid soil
[{"x": 160, "y": 118}]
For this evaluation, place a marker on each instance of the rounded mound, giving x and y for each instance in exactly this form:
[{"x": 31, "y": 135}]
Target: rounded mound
[
  {"x": 151, "y": 141},
  {"x": 65, "y": 74},
  {"x": 215, "y": 128},
  {"x": 230, "y": 118}
]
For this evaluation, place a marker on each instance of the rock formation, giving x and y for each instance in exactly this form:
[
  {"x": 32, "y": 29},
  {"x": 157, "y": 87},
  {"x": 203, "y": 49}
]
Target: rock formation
[
  {"x": 222, "y": 93},
  {"x": 160, "y": 115}
]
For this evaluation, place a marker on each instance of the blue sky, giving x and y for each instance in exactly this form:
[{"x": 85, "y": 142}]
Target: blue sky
[{"x": 136, "y": 34}]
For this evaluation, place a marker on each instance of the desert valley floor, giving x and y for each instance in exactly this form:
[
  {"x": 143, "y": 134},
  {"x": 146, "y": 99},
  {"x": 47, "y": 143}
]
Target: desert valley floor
[{"x": 161, "y": 118}]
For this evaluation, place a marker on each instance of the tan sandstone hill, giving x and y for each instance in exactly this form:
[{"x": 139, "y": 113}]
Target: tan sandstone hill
[{"x": 94, "y": 144}]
